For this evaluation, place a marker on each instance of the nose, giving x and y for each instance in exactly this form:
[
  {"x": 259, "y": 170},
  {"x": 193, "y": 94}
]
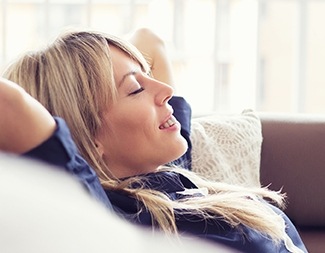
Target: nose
[{"x": 164, "y": 92}]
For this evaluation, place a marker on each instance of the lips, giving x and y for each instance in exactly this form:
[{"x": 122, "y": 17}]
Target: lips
[{"x": 168, "y": 123}]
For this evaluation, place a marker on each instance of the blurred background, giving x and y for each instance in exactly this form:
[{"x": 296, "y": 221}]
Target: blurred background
[{"x": 228, "y": 55}]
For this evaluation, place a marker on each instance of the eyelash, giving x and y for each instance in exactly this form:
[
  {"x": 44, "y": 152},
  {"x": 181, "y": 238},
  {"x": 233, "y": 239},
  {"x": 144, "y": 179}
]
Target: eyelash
[{"x": 137, "y": 91}]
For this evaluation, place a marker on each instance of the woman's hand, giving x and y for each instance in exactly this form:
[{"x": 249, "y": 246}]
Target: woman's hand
[{"x": 24, "y": 122}]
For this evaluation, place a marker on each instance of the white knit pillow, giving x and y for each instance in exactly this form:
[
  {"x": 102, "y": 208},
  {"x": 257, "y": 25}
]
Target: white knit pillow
[{"x": 227, "y": 148}]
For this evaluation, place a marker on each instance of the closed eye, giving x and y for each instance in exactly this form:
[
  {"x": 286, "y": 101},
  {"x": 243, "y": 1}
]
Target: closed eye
[{"x": 137, "y": 91}]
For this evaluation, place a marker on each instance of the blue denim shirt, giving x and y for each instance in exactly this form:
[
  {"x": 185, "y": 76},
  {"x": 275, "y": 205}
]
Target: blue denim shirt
[
  {"x": 61, "y": 151},
  {"x": 241, "y": 238}
]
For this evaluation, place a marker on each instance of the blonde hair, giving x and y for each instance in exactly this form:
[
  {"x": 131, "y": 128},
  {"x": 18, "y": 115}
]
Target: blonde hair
[{"x": 73, "y": 78}]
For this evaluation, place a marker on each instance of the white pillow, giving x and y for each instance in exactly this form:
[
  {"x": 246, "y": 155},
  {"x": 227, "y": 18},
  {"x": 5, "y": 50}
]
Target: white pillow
[{"x": 227, "y": 148}]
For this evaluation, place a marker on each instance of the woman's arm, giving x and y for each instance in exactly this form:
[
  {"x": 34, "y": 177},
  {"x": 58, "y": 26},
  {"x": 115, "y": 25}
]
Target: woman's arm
[
  {"x": 24, "y": 122},
  {"x": 154, "y": 50}
]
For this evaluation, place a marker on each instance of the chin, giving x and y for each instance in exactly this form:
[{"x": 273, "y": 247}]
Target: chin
[{"x": 181, "y": 150}]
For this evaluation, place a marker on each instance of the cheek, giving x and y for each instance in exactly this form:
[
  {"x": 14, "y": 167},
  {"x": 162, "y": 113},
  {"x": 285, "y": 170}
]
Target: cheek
[
  {"x": 134, "y": 118},
  {"x": 131, "y": 128},
  {"x": 137, "y": 130}
]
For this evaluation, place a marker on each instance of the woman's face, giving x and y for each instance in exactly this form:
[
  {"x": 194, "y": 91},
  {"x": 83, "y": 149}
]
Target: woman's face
[{"x": 140, "y": 133}]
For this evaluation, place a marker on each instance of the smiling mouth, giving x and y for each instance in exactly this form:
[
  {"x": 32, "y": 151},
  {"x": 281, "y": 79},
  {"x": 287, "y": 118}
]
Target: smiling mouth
[{"x": 169, "y": 123}]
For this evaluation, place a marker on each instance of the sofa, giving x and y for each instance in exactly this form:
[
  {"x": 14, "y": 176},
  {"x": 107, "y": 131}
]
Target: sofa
[
  {"x": 293, "y": 157},
  {"x": 281, "y": 151},
  {"x": 44, "y": 209}
]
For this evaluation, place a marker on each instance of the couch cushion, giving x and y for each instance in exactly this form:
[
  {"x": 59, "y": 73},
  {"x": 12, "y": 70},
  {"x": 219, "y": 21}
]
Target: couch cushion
[
  {"x": 293, "y": 158},
  {"x": 227, "y": 147},
  {"x": 314, "y": 239}
]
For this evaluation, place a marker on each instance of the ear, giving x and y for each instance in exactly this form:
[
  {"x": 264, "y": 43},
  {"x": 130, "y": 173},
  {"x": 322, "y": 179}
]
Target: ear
[{"x": 99, "y": 147}]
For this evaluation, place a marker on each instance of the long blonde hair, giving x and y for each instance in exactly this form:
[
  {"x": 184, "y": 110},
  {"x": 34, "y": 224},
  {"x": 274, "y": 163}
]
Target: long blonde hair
[{"x": 73, "y": 78}]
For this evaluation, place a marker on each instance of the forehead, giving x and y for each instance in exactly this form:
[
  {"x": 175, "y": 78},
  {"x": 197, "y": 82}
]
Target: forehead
[{"x": 122, "y": 62}]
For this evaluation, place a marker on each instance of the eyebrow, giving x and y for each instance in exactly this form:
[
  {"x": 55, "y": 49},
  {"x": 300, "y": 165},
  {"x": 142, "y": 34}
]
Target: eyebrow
[{"x": 131, "y": 73}]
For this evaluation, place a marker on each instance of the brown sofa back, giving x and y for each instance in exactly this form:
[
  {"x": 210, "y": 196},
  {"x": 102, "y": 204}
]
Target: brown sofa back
[{"x": 293, "y": 157}]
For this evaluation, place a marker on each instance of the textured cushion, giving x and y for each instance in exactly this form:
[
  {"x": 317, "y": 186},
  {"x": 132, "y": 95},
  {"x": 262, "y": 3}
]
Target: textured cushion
[{"x": 227, "y": 148}]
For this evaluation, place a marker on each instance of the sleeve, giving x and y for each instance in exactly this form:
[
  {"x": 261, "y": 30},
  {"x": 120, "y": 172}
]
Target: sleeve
[
  {"x": 61, "y": 151},
  {"x": 183, "y": 113}
]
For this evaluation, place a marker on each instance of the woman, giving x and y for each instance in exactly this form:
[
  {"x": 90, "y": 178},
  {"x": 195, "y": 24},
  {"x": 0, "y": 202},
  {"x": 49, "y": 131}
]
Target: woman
[{"x": 122, "y": 124}]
